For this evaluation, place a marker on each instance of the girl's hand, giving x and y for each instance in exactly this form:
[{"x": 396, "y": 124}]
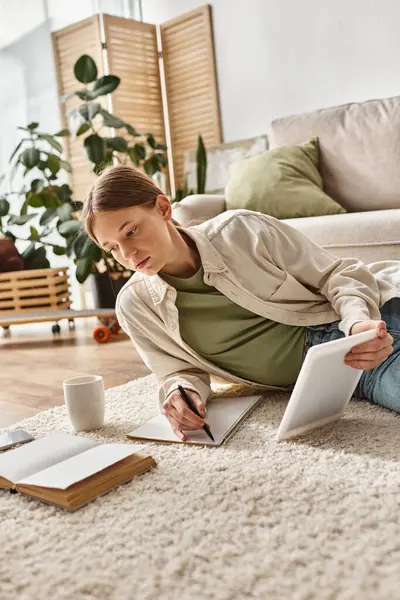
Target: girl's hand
[
  {"x": 370, "y": 354},
  {"x": 179, "y": 414}
]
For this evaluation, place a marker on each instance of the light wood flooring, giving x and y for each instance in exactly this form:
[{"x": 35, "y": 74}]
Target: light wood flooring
[{"x": 34, "y": 363}]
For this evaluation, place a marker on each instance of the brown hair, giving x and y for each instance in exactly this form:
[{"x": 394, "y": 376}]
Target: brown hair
[{"x": 118, "y": 187}]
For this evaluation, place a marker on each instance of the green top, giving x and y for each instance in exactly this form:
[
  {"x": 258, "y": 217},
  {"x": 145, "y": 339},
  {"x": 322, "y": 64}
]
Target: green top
[{"x": 233, "y": 338}]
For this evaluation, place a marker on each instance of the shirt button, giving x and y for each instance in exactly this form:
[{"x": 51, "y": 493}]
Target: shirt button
[{"x": 173, "y": 326}]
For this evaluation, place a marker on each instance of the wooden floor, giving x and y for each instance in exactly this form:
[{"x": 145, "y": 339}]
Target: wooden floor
[{"x": 34, "y": 363}]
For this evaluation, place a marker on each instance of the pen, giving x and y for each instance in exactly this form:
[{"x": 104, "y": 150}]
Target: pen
[{"x": 192, "y": 407}]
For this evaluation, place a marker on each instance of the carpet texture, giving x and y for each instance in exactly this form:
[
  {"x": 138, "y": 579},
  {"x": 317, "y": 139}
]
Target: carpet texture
[{"x": 314, "y": 518}]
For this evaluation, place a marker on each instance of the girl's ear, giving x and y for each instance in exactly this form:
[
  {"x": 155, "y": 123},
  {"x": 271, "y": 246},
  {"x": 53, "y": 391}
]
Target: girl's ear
[{"x": 164, "y": 207}]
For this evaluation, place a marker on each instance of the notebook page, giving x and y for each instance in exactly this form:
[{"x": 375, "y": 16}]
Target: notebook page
[
  {"x": 35, "y": 456},
  {"x": 80, "y": 467},
  {"x": 222, "y": 415}
]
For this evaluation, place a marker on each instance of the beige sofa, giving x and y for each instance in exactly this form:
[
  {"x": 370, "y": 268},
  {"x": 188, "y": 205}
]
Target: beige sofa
[{"x": 360, "y": 167}]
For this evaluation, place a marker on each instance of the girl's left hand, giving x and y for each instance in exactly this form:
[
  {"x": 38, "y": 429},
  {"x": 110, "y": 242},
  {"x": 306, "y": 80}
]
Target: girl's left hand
[{"x": 370, "y": 354}]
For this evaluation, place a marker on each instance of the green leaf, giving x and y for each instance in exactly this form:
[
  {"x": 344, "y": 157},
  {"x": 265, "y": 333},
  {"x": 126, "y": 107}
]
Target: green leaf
[
  {"x": 162, "y": 147},
  {"x": 63, "y": 133},
  {"x": 135, "y": 158},
  {"x": 95, "y": 148},
  {"x": 108, "y": 161},
  {"x": 162, "y": 159},
  {"x": 151, "y": 165},
  {"x": 19, "y": 219},
  {"x": 151, "y": 141},
  {"x": 59, "y": 250},
  {"x": 83, "y": 129},
  {"x": 116, "y": 143},
  {"x": 48, "y": 215},
  {"x": 65, "y": 212},
  {"x": 28, "y": 252},
  {"x": 16, "y": 150},
  {"x": 33, "y": 126},
  {"x": 85, "y": 69},
  {"x": 83, "y": 268},
  {"x": 24, "y": 207},
  {"x": 53, "y": 162},
  {"x": 64, "y": 192},
  {"x": 34, "y": 234},
  {"x": 78, "y": 242},
  {"x": 201, "y": 159},
  {"x": 50, "y": 200},
  {"x": 35, "y": 200},
  {"x": 50, "y": 139},
  {"x": 68, "y": 228},
  {"x": 37, "y": 186},
  {"x": 110, "y": 120},
  {"x": 140, "y": 150},
  {"x": 4, "y": 207},
  {"x": 89, "y": 111},
  {"x": 39, "y": 260},
  {"x": 85, "y": 95},
  {"x": 105, "y": 85},
  {"x": 131, "y": 130},
  {"x": 89, "y": 249},
  {"x": 30, "y": 157},
  {"x": 64, "y": 164}
]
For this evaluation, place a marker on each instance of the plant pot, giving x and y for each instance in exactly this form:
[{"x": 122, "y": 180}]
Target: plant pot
[
  {"x": 10, "y": 260},
  {"x": 105, "y": 295}
]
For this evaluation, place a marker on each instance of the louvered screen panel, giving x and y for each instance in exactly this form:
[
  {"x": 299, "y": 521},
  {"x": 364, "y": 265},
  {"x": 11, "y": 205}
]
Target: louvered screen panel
[
  {"x": 69, "y": 44},
  {"x": 191, "y": 84},
  {"x": 133, "y": 56}
]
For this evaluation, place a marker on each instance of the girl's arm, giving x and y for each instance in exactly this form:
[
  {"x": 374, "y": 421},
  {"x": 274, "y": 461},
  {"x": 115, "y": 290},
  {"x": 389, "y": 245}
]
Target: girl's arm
[
  {"x": 347, "y": 283},
  {"x": 169, "y": 370}
]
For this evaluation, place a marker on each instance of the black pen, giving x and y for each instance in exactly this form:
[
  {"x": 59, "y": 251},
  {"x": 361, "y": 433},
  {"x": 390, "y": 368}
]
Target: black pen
[{"x": 192, "y": 407}]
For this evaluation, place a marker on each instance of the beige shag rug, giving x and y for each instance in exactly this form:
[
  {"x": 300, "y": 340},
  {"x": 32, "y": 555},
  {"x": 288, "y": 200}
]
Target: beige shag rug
[{"x": 317, "y": 518}]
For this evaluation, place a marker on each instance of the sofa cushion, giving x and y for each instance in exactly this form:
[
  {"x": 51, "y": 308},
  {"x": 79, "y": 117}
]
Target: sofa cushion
[
  {"x": 368, "y": 236},
  {"x": 360, "y": 150},
  {"x": 283, "y": 183},
  {"x": 198, "y": 208}
]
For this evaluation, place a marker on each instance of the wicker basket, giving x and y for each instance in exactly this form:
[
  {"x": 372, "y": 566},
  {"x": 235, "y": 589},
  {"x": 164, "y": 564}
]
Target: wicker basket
[{"x": 33, "y": 291}]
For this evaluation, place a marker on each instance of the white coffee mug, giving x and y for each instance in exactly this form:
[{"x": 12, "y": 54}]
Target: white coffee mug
[{"x": 84, "y": 398}]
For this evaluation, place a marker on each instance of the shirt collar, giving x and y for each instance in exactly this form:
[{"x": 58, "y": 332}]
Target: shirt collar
[{"x": 211, "y": 261}]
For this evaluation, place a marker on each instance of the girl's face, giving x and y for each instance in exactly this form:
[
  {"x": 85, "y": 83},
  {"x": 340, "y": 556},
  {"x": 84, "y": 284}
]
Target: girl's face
[{"x": 138, "y": 237}]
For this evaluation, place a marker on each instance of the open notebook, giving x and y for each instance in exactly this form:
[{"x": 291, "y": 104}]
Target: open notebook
[
  {"x": 224, "y": 415},
  {"x": 69, "y": 470}
]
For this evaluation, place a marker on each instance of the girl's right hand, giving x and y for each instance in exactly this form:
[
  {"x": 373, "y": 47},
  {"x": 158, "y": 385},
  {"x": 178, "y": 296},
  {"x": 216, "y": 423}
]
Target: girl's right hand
[{"x": 179, "y": 414}]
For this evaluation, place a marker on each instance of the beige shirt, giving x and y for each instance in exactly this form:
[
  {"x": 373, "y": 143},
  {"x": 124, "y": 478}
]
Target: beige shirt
[{"x": 264, "y": 265}]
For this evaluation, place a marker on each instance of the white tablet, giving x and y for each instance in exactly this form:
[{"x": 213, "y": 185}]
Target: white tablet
[{"x": 324, "y": 386}]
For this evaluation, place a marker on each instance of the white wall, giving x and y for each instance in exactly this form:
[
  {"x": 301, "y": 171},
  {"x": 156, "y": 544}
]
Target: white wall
[
  {"x": 279, "y": 57},
  {"x": 28, "y": 90}
]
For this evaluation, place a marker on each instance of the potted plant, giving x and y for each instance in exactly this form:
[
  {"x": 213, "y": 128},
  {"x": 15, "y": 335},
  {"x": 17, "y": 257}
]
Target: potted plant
[
  {"x": 90, "y": 121},
  {"x": 43, "y": 201}
]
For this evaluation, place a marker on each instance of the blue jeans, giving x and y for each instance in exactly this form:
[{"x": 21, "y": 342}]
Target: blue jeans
[{"x": 382, "y": 384}]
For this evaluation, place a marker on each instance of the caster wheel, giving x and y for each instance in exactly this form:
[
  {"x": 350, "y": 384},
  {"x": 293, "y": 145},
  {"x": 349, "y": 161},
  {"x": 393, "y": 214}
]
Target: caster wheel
[
  {"x": 56, "y": 329},
  {"x": 71, "y": 324},
  {"x": 6, "y": 331},
  {"x": 115, "y": 328},
  {"x": 101, "y": 334}
]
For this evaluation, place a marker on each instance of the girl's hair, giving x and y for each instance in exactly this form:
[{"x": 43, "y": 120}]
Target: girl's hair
[{"x": 118, "y": 187}]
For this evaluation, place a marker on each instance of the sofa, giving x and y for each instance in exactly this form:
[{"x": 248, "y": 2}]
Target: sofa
[{"x": 360, "y": 167}]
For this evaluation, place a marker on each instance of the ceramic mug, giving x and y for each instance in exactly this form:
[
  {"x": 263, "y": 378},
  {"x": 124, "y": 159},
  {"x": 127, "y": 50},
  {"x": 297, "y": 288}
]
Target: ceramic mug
[{"x": 84, "y": 398}]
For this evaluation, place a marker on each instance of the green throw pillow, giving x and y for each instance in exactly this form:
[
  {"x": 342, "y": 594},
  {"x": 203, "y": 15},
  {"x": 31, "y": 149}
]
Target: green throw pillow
[{"x": 284, "y": 183}]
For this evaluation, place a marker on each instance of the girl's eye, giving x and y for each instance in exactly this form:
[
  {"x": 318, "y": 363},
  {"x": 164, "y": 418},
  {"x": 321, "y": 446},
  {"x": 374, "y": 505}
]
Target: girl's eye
[{"x": 131, "y": 232}]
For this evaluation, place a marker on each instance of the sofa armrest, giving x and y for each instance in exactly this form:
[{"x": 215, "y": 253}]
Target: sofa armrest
[{"x": 198, "y": 208}]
